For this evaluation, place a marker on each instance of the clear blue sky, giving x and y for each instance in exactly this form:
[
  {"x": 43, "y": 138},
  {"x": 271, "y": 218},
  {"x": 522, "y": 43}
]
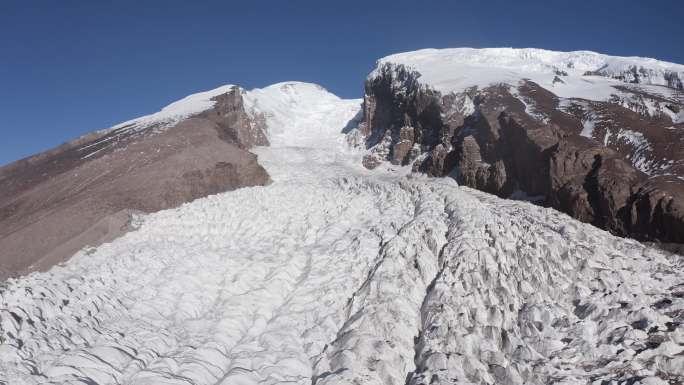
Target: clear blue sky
[{"x": 71, "y": 67}]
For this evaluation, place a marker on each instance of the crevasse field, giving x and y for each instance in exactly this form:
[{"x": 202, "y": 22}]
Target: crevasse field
[{"x": 334, "y": 274}]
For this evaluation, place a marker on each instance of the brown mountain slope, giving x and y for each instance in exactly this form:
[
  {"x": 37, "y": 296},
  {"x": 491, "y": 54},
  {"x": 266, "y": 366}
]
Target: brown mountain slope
[
  {"x": 614, "y": 164},
  {"x": 84, "y": 192}
]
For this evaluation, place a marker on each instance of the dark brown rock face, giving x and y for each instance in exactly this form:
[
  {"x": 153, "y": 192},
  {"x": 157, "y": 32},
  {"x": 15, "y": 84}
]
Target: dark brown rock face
[
  {"x": 232, "y": 122},
  {"x": 84, "y": 192},
  {"x": 523, "y": 142},
  {"x": 401, "y": 116}
]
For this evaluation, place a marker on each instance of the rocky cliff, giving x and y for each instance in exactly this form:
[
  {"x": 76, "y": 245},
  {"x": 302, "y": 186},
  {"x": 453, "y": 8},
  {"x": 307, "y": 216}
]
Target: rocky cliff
[
  {"x": 87, "y": 191},
  {"x": 608, "y": 151}
]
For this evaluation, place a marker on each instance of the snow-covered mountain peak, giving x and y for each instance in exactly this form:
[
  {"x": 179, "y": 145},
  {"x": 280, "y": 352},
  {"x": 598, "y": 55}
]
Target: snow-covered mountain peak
[
  {"x": 297, "y": 89},
  {"x": 301, "y": 114},
  {"x": 290, "y": 94},
  {"x": 582, "y": 74}
]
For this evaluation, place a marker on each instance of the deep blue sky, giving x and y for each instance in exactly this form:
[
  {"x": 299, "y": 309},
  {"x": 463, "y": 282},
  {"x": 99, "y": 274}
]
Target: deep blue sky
[{"x": 70, "y": 67}]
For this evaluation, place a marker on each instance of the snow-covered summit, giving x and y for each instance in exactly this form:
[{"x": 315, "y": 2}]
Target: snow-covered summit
[
  {"x": 300, "y": 113},
  {"x": 584, "y": 74}
]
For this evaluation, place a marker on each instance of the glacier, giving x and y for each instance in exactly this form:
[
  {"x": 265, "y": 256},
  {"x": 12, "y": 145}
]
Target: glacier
[{"x": 335, "y": 274}]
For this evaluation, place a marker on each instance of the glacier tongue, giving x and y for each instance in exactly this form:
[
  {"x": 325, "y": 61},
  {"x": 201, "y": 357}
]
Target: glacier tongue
[{"x": 335, "y": 274}]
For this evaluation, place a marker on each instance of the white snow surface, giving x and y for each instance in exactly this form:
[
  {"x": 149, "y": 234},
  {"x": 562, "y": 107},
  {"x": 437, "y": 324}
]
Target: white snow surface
[
  {"x": 301, "y": 114},
  {"x": 334, "y": 274},
  {"x": 456, "y": 69}
]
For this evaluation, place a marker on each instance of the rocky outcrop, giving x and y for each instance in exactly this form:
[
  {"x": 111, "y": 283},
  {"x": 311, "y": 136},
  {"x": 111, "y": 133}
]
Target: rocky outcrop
[
  {"x": 86, "y": 191},
  {"x": 233, "y": 123},
  {"x": 524, "y": 142}
]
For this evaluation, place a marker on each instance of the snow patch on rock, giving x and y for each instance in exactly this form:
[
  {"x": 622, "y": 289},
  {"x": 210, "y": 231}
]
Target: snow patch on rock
[{"x": 641, "y": 147}]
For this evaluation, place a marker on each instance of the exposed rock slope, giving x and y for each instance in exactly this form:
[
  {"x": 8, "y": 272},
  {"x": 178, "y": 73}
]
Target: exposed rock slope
[
  {"x": 85, "y": 191},
  {"x": 595, "y": 136}
]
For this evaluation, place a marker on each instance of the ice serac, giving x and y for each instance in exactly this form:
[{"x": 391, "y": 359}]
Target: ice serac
[
  {"x": 595, "y": 136},
  {"x": 85, "y": 192}
]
